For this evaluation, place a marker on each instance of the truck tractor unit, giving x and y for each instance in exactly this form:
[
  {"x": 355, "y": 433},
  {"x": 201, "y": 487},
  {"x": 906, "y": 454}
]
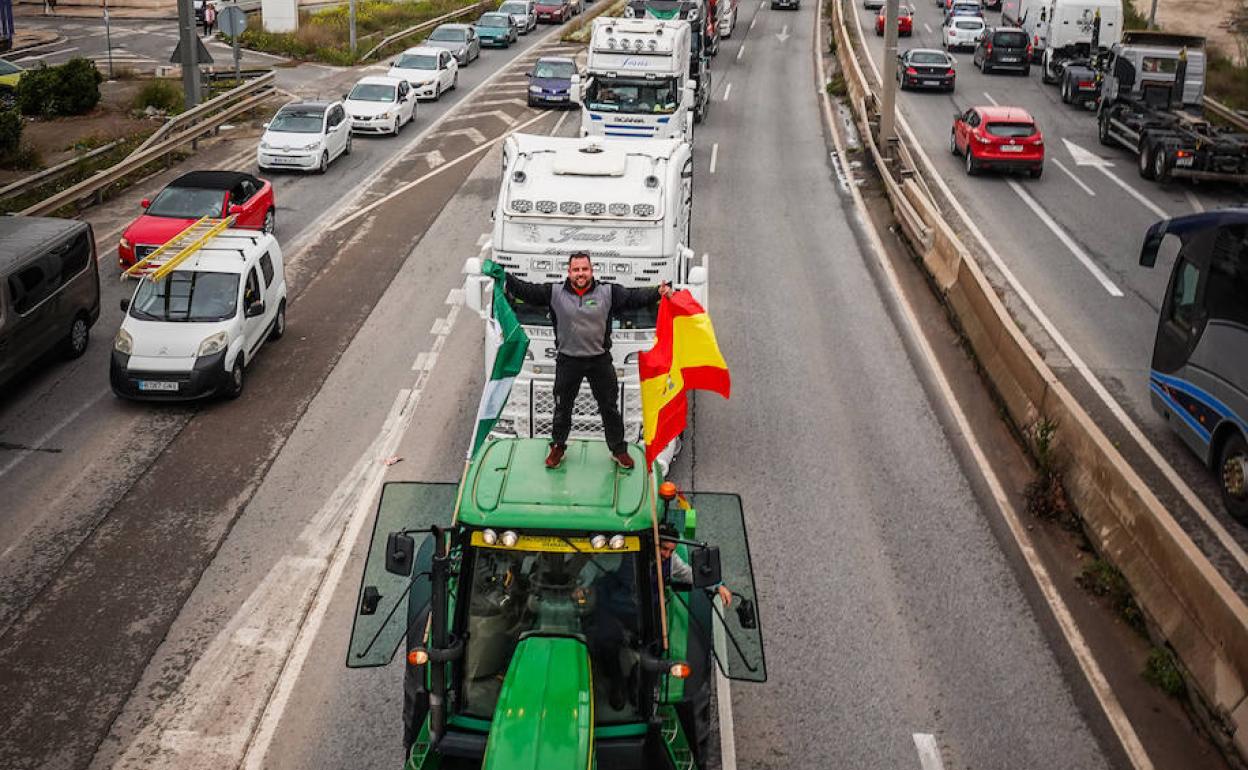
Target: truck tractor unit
[
  {"x": 627, "y": 203},
  {"x": 1151, "y": 103},
  {"x": 701, "y": 46},
  {"x": 1073, "y": 34},
  {"x": 541, "y": 628},
  {"x": 637, "y": 81}
]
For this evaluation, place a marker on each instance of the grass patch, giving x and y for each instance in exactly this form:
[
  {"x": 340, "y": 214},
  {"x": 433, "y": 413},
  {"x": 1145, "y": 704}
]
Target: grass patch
[
  {"x": 837, "y": 87},
  {"x": 1100, "y": 578},
  {"x": 323, "y": 36},
  {"x": 24, "y": 158},
  {"x": 1225, "y": 81},
  {"x": 163, "y": 95},
  {"x": 1132, "y": 18},
  {"x": 580, "y": 30},
  {"x": 1162, "y": 671}
]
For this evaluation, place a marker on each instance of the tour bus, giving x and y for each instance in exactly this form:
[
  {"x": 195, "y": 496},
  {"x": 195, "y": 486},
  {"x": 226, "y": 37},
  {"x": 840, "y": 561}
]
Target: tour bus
[{"x": 1199, "y": 376}]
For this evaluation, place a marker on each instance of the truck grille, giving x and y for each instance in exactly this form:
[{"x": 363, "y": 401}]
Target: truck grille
[{"x": 531, "y": 409}]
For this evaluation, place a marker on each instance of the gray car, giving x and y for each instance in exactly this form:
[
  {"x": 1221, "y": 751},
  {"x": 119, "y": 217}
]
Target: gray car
[
  {"x": 522, "y": 14},
  {"x": 460, "y": 39}
]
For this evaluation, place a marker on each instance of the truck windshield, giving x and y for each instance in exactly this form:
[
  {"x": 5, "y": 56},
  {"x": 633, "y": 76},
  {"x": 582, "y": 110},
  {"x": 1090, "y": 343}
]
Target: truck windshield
[
  {"x": 660, "y": 97},
  {"x": 548, "y": 585},
  {"x": 187, "y": 295}
]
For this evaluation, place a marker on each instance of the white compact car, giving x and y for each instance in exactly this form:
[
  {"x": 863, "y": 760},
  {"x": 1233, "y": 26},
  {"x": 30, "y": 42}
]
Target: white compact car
[
  {"x": 430, "y": 71},
  {"x": 305, "y": 135},
  {"x": 380, "y": 105},
  {"x": 193, "y": 333},
  {"x": 963, "y": 32},
  {"x": 726, "y": 17}
]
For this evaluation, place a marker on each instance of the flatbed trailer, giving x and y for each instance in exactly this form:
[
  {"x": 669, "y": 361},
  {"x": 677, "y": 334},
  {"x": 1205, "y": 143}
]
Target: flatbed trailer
[{"x": 1175, "y": 144}]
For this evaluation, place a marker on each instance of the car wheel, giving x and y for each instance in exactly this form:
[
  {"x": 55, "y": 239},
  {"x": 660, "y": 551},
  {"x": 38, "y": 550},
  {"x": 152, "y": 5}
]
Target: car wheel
[
  {"x": 279, "y": 323},
  {"x": 1161, "y": 164},
  {"x": 1027, "y": 71},
  {"x": 972, "y": 168},
  {"x": 347, "y": 149},
  {"x": 1233, "y": 476},
  {"x": 75, "y": 343},
  {"x": 270, "y": 222},
  {"x": 455, "y": 81},
  {"x": 953, "y": 143},
  {"x": 1065, "y": 92},
  {"x": 985, "y": 67},
  {"x": 234, "y": 388},
  {"x": 324, "y": 163}
]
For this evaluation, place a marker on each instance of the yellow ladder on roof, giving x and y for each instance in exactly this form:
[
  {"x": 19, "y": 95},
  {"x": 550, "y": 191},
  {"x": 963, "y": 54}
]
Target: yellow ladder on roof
[{"x": 165, "y": 259}]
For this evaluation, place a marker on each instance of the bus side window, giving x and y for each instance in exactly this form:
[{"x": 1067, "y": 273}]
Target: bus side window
[
  {"x": 1226, "y": 295},
  {"x": 1184, "y": 309}
]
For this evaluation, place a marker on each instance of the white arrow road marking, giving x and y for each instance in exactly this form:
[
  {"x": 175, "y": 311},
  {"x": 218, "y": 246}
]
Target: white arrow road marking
[
  {"x": 929, "y": 751},
  {"x": 1066, "y": 240},
  {"x": 783, "y": 34},
  {"x": 1072, "y": 176},
  {"x": 434, "y": 158},
  {"x": 927, "y": 27},
  {"x": 1085, "y": 157}
]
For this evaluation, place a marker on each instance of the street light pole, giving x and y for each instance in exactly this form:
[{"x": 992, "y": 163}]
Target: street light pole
[
  {"x": 351, "y": 24},
  {"x": 888, "y": 101},
  {"x": 1152, "y": 16},
  {"x": 108, "y": 39}
]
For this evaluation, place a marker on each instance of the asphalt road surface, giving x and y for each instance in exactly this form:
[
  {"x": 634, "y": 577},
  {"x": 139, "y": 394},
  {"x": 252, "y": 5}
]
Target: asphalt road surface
[
  {"x": 1072, "y": 241},
  {"x": 177, "y": 584}
]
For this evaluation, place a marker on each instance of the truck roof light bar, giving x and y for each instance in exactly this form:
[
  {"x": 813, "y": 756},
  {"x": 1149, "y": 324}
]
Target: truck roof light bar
[{"x": 618, "y": 209}]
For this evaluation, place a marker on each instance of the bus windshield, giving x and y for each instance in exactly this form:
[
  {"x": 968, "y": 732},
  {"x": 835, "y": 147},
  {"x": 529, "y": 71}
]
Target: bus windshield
[{"x": 660, "y": 97}]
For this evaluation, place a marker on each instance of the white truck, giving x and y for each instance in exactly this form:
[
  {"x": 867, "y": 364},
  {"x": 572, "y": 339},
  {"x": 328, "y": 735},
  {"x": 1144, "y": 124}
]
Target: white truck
[
  {"x": 1063, "y": 30},
  {"x": 636, "y": 82},
  {"x": 626, "y": 202}
]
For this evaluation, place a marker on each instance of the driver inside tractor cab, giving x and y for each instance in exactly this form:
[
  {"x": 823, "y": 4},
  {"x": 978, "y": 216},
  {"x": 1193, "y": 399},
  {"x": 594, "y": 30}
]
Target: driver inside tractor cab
[{"x": 590, "y": 595}]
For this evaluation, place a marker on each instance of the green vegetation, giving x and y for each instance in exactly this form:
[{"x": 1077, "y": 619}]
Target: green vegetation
[
  {"x": 163, "y": 95},
  {"x": 1226, "y": 82},
  {"x": 582, "y": 27},
  {"x": 1162, "y": 671},
  {"x": 1046, "y": 496},
  {"x": 836, "y": 86},
  {"x": 72, "y": 88},
  {"x": 324, "y": 36},
  {"x": 10, "y": 133},
  {"x": 1100, "y": 578},
  {"x": 1131, "y": 18}
]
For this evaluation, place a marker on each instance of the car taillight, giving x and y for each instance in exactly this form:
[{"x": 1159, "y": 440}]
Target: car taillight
[
  {"x": 1182, "y": 153},
  {"x": 950, "y": 72},
  {"x": 988, "y": 48},
  {"x": 911, "y": 71},
  {"x": 1029, "y": 50},
  {"x": 1086, "y": 84}
]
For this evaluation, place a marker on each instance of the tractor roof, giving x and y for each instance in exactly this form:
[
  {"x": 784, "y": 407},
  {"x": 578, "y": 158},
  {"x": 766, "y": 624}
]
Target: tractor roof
[{"x": 508, "y": 486}]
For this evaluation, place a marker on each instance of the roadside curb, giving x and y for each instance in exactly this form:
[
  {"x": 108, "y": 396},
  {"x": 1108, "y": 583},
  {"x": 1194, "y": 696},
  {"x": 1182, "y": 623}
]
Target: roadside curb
[
  {"x": 1188, "y": 603},
  {"x": 40, "y": 38}
]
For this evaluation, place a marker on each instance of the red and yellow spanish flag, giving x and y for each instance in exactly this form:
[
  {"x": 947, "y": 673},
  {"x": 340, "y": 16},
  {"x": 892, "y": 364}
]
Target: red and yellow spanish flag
[{"x": 685, "y": 357}]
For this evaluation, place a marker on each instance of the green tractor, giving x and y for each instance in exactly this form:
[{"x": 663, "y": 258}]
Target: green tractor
[{"x": 544, "y": 629}]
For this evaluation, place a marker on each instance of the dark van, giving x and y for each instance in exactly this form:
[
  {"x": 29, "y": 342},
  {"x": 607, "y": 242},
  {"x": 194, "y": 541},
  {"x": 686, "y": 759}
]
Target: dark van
[
  {"x": 1004, "y": 48},
  {"x": 49, "y": 290}
]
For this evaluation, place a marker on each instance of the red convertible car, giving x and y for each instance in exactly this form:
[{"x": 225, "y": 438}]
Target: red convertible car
[{"x": 194, "y": 196}]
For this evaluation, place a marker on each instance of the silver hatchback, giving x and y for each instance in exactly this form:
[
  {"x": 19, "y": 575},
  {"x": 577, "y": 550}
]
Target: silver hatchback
[
  {"x": 460, "y": 39},
  {"x": 522, "y": 13}
]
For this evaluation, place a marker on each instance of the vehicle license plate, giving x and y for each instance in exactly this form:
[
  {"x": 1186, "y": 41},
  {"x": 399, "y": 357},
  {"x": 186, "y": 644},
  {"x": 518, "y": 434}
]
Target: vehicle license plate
[
  {"x": 931, "y": 82},
  {"x": 1012, "y": 148},
  {"x": 157, "y": 385},
  {"x": 1009, "y": 59},
  {"x": 1185, "y": 162},
  {"x": 286, "y": 161}
]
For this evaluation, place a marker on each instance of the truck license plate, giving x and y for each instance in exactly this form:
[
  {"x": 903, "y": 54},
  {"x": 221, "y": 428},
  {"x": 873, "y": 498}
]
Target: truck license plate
[{"x": 158, "y": 385}]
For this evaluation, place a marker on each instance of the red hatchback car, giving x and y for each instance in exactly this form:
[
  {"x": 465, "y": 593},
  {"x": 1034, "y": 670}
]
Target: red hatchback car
[
  {"x": 194, "y": 196},
  {"x": 905, "y": 21},
  {"x": 1005, "y": 138}
]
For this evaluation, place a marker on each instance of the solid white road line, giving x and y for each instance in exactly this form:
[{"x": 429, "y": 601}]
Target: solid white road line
[
  {"x": 929, "y": 752},
  {"x": 1193, "y": 201},
  {"x": 1185, "y": 490},
  {"x": 1134, "y": 193},
  {"x": 714, "y": 156},
  {"x": 727, "y": 90},
  {"x": 741, "y": 52},
  {"x": 988, "y": 96},
  {"x": 559, "y": 123},
  {"x": 927, "y": 27},
  {"x": 1066, "y": 240},
  {"x": 44, "y": 55},
  {"x": 1096, "y": 679},
  {"x": 753, "y": 21},
  {"x": 1072, "y": 176}
]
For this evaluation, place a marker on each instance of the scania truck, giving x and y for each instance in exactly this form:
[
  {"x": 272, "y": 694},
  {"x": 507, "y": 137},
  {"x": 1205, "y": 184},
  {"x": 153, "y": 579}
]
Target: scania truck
[
  {"x": 636, "y": 81},
  {"x": 703, "y": 40},
  {"x": 627, "y": 202}
]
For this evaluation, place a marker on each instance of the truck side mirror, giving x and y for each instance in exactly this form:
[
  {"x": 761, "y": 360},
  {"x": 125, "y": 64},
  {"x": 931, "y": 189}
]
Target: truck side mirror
[
  {"x": 706, "y": 568},
  {"x": 400, "y": 553},
  {"x": 697, "y": 276}
]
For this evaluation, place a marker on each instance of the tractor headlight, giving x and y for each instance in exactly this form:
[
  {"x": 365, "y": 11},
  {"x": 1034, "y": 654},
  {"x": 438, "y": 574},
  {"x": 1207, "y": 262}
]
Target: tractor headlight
[
  {"x": 510, "y": 538},
  {"x": 598, "y": 542},
  {"x": 616, "y": 543}
]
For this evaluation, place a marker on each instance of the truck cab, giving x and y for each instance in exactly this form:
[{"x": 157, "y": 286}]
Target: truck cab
[
  {"x": 703, "y": 40},
  {"x": 636, "y": 80},
  {"x": 523, "y": 593},
  {"x": 628, "y": 203}
]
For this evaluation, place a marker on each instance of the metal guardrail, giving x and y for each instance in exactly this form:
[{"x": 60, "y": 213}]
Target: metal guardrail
[
  {"x": 252, "y": 96},
  {"x": 205, "y": 110},
  {"x": 1226, "y": 114},
  {"x": 478, "y": 6},
  {"x": 28, "y": 183}
]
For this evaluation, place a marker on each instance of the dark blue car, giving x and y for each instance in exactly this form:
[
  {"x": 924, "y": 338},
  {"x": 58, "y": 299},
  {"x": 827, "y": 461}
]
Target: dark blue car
[{"x": 550, "y": 82}]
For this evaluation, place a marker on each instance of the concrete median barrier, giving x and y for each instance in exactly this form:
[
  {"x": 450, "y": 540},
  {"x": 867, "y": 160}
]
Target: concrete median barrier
[{"x": 1184, "y": 598}]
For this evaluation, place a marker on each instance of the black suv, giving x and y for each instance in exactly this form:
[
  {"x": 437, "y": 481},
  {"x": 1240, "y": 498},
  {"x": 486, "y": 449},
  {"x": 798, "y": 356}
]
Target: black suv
[{"x": 1004, "y": 48}]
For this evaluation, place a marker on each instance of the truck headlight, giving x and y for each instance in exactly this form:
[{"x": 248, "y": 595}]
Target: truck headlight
[
  {"x": 124, "y": 343},
  {"x": 213, "y": 345}
]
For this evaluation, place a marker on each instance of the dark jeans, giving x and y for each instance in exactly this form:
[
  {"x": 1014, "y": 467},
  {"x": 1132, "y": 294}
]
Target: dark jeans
[{"x": 600, "y": 371}]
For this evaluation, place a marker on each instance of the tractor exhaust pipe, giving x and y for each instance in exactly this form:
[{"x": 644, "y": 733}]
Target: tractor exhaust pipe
[{"x": 437, "y": 641}]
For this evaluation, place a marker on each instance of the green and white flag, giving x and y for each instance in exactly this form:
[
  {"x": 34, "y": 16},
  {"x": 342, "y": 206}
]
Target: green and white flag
[{"x": 508, "y": 358}]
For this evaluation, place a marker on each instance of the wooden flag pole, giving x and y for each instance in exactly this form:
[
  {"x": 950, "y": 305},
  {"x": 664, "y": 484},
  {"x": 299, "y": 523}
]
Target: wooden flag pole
[{"x": 652, "y": 490}]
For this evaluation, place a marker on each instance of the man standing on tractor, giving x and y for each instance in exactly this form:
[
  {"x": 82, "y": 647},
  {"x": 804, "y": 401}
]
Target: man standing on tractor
[{"x": 581, "y": 310}]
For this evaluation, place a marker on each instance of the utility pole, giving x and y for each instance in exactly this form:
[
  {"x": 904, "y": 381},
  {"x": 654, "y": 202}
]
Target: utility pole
[
  {"x": 1152, "y": 16},
  {"x": 108, "y": 39},
  {"x": 351, "y": 24},
  {"x": 188, "y": 41},
  {"x": 888, "y": 68}
]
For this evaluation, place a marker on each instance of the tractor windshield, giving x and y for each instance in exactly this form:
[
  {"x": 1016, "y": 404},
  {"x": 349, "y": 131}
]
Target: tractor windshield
[{"x": 552, "y": 585}]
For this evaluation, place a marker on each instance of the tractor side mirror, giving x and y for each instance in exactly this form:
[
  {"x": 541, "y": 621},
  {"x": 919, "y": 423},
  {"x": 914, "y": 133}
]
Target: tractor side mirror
[
  {"x": 747, "y": 616},
  {"x": 369, "y": 601},
  {"x": 706, "y": 567},
  {"x": 400, "y": 553}
]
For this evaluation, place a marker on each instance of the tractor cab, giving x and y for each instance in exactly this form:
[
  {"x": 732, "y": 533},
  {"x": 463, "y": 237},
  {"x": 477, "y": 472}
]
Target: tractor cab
[{"x": 524, "y": 593}]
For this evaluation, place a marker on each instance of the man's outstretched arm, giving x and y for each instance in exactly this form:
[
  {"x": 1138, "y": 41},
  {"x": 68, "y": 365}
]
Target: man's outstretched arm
[{"x": 537, "y": 294}]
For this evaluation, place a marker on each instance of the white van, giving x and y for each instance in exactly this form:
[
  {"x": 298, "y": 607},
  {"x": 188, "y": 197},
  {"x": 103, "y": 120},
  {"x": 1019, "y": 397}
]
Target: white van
[{"x": 191, "y": 333}]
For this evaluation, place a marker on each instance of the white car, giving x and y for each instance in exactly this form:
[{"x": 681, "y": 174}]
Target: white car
[
  {"x": 963, "y": 32},
  {"x": 380, "y": 105},
  {"x": 522, "y": 14},
  {"x": 727, "y": 21},
  {"x": 430, "y": 71},
  {"x": 193, "y": 333},
  {"x": 305, "y": 135}
]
